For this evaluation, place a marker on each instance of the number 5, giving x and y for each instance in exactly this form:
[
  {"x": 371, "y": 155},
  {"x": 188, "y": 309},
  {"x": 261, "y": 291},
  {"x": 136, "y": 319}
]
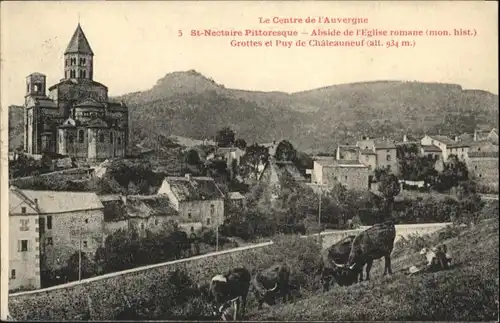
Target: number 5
[{"x": 180, "y": 33}]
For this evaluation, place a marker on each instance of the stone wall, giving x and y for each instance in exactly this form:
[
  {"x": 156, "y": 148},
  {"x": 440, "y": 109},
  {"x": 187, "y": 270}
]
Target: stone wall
[
  {"x": 485, "y": 170},
  {"x": 71, "y": 301}
]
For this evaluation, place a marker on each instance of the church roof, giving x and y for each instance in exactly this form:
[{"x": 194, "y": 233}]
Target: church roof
[
  {"x": 89, "y": 102},
  {"x": 79, "y": 43},
  {"x": 97, "y": 123}
]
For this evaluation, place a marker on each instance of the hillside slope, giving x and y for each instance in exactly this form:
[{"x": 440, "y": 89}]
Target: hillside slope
[
  {"x": 192, "y": 105},
  {"x": 468, "y": 291},
  {"x": 16, "y": 127}
]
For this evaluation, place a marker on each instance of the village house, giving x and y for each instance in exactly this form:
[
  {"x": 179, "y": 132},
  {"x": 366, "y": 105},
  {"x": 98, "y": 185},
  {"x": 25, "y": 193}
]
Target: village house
[
  {"x": 237, "y": 199},
  {"x": 196, "y": 199},
  {"x": 347, "y": 152},
  {"x": 24, "y": 247},
  {"x": 483, "y": 166},
  {"x": 378, "y": 153},
  {"x": 150, "y": 212},
  {"x": 69, "y": 222},
  {"x": 273, "y": 173},
  {"x": 448, "y": 146},
  {"x": 350, "y": 173}
]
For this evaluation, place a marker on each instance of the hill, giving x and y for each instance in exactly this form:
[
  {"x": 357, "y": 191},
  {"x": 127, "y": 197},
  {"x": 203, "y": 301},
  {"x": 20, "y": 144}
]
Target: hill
[
  {"x": 468, "y": 291},
  {"x": 16, "y": 126},
  {"x": 192, "y": 105},
  {"x": 188, "y": 104}
]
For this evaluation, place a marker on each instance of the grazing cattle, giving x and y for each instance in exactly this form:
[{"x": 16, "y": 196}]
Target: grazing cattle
[
  {"x": 225, "y": 290},
  {"x": 271, "y": 283},
  {"x": 331, "y": 257},
  {"x": 375, "y": 242}
]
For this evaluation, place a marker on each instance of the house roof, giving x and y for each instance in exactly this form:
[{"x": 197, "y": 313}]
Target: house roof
[
  {"x": 340, "y": 163},
  {"x": 443, "y": 139},
  {"x": 97, "y": 123},
  {"x": 431, "y": 149},
  {"x": 152, "y": 205},
  {"x": 483, "y": 154},
  {"x": 383, "y": 144},
  {"x": 236, "y": 196},
  {"x": 79, "y": 43},
  {"x": 18, "y": 198},
  {"x": 460, "y": 144},
  {"x": 63, "y": 201},
  {"x": 89, "y": 102},
  {"x": 367, "y": 152},
  {"x": 195, "y": 188},
  {"x": 290, "y": 168}
]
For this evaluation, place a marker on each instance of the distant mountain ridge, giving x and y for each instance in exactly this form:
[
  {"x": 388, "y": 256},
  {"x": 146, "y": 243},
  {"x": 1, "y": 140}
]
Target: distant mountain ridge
[{"x": 189, "y": 104}]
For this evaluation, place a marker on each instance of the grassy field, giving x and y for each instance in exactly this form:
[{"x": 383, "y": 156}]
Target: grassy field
[{"x": 468, "y": 291}]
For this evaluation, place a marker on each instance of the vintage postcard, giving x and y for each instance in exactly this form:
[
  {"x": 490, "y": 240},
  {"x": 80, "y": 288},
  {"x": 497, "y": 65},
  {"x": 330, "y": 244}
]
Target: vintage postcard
[{"x": 249, "y": 161}]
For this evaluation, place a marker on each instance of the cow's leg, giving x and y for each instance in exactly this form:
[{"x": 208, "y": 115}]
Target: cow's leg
[
  {"x": 243, "y": 304},
  {"x": 387, "y": 267},
  {"x": 369, "y": 264}
]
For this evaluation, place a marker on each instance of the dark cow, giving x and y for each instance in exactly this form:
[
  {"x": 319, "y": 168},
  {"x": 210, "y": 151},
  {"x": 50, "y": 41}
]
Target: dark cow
[
  {"x": 336, "y": 254},
  {"x": 271, "y": 283},
  {"x": 229, "y": 289},
  {"x": 375, "y": 242}
]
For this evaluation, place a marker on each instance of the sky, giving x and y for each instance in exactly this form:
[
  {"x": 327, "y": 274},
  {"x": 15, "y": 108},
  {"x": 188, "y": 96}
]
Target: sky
[{"x": 136, "y": 43}]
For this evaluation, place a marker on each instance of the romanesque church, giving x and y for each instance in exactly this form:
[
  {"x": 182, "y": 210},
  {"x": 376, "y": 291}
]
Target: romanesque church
[{"x": 75, "y": 118}]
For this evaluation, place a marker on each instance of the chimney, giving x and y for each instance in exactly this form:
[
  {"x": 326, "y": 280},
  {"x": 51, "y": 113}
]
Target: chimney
[
  {"x": 337, "y": 157},
  {"x": 36, "y": 202},
  {"x": 405, "y": 139},
  {"x": 456, "y": 138},
  {"x": 188, "y": 176},
  {"x": 475, "y": 135}
]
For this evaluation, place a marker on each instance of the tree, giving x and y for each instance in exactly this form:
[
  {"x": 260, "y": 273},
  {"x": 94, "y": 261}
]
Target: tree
[
  {"x": 255, "y": 155},
  {"x": 389, "y": 187},
  {"x": 285, "y": 151},
  {"x": 454, "y": 172},
  {"x": 192, "y": 157},
  {"x": 225, "y": 137},
  {"x": 240, "y": 143}
]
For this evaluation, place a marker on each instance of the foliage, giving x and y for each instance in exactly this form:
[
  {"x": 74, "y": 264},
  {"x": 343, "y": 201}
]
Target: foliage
[
  {"x": 389, "y": 187},
  {"x": 192, "y": 157},
  {"x": 125, "y": 249},
  {"x": 225, "y": 137},
  {"x": 26, "y": 165},
  {"x": 414, "y": 167},
  {"x": 255, "y": 155},
  {"x": 285, "y": 151},
  {"x": 240, "y": 143},
  {"x": 454, "y": 172}
]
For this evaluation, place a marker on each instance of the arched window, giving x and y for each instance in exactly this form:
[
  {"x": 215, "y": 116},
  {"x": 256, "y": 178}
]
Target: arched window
[
  {"x": 81, "y": 135},
  {"x": 119, "y": 141},
  {"x": 111, "y": 137},
  {"x": 101, "y": 137}
]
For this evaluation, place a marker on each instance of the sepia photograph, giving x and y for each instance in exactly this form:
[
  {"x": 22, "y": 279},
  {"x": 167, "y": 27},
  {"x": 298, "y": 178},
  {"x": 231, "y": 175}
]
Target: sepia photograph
[{"x": 249, "y": 161}]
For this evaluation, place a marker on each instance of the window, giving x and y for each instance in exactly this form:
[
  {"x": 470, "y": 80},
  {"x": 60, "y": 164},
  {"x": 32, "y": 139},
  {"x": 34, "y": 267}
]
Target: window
[
  {"x": 23, "y": 209},
  {"x": 479, "y": 149},
  {"x": 83, "y": 73},
  {"x": 85, "y": 244},
  {"x": 50, "y": 242},
  {"x": 432, "y": 142},
  {"x": 475, "y": 167},
  {"x": 73, "y": 61},
  {"x": 13, "y": 274},
  {"x": 86, "y": 220},
  {"x": 212, "y": 209},
  {"x": 346, "y": 178},
  {"x": 119, "y": 141},
  {"x": 101, "y": 137},
  {"x": 189, "y": 215},
  {"x": 42, "y": 225},
  {"x": 72, "y": 74},
  {"x": 49, "y": 222},
  {"x": 23, "y": 245},
  {"x": 388, "y": 158},
  {"x": 24, "y": 225},
  {"x": 81, "y": 134},
  {"x": 208, "y": 221},
  {"x": 60, "y": 139},
  {"x": 82, "y": 61},
  {"x": 111, "y": 137}
]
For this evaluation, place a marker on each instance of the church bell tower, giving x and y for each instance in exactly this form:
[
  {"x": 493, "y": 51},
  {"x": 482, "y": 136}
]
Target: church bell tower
[{"x": 78, "y": 57}]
